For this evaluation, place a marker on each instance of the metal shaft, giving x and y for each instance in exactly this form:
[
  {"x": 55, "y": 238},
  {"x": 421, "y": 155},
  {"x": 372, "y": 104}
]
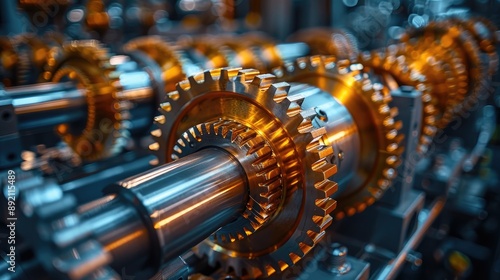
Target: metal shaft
[
  {"x": 161, "y": 213},
  {"x": 47, "y": 105}
]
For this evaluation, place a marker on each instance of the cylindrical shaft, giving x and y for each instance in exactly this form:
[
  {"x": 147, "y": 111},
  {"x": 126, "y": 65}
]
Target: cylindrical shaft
[
  {"x": 47, "y": 105},
  {"x": 191, "y": 198},
  {"x": 184, "y": 201}
]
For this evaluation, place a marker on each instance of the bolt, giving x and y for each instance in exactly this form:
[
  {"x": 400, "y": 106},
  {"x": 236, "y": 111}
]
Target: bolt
[{"x": 336, "y": 259}]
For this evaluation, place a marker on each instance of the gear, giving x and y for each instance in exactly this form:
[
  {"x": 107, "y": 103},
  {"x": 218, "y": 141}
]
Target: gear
[
  {"x": 456, "y": 39},
  {"x": 104, "y": 132},
  {"x": 163, "y": 54},
  {"x": 253, "y": 100},
  {"x": 483, "y": 32},
  {"x": 369, "y": 106},
  {"x": 393, "y": 61},
  {"x": 256, "y": 157}
]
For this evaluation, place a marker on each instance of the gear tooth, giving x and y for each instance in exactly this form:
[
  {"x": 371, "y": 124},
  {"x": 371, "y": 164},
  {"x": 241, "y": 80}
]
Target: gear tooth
[
  {"x": 159, "y": 119},
  {"x": 247, "y": 75},
  {"x": 156, "y": 133},
  {"x": 154, "y": 147},
  {"x": 326, "y": 187},
  {"x": 325, "y": 206},
  {"x": 279, "y": 91},
  {"x": 263, "y": 80}
]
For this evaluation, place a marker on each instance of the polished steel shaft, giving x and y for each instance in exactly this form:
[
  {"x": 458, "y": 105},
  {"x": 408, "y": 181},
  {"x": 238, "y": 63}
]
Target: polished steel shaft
[
  {"x": 161, "y": 213},
  {"x": 47, "y": 105}
]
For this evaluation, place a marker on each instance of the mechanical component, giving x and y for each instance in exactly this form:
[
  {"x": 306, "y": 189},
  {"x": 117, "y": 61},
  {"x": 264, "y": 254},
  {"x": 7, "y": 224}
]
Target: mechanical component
[
  {"x": 364, "y": 179},
  {"x": 256, "y": 157},
  {"x": 87, "y": 64},
  {"x": 290, "y": 132},
  {"x": 483, "y": 31},
  {"x": 336, "y": 260},
  {"x": 396, "y": 69},
  {"x": 452, "y": 37},
  {"x": 328, "y": 41},
  {"x": 164, "y": 55}
]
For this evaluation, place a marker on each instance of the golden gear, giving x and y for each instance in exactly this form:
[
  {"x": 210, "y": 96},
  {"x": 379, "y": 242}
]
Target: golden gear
[
  {"x": 255, "y": 156},
  {"x": 255, "y": 101},
  {"x": 393, "y": 65},
  {"x": 328, "y": 41},
  {"x": 163, "y": 54},
  {"x": 453, "y": 38},
  {"x": 369, "y": 104},
  {"x": 87, "y": 64}
]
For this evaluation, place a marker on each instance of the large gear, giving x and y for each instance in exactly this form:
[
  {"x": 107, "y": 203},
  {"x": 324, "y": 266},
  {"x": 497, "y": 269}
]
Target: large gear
[
  {"x": 258, "y": 103},
  {"x": 255, "y": 156},
  {"x": 393, "y": 61},
  {"x": 87, "y": 64},
  {"x": 369, "y": 105}
]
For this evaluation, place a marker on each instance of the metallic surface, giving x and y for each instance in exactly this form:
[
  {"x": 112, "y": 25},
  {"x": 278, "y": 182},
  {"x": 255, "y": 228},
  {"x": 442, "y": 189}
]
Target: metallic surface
[
  {"x": 378, "y": 150},
  {"x": 182, "y": 197}
]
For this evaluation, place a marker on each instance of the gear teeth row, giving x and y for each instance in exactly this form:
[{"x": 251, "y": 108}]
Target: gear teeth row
[
  {"x": 265, "y": 191},
  {"x": 106, "y": 129},
  {"x": 327, "y": 67},
  {"x": 309, "y": 177},
  {"x": 392, "y": 60},
  {"x": 457, "y": 39}
]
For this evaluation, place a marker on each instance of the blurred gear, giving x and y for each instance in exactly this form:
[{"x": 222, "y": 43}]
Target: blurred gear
[
  {"x": 452, "y": 37},
  {"x": 163, "y": 54},
  {"x": 87, "y": 64}
]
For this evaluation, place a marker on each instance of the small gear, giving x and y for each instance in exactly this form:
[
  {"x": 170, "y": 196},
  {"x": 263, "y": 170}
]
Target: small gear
[
  {"x": 87, "y": 64},
  {"x": 394, "y": 62},
  {"x": 163, "y": 54},
  {"x": 255, "y": 156},
  {"x": 369, "y": 107},
  {"x": 255, "y": 101}
]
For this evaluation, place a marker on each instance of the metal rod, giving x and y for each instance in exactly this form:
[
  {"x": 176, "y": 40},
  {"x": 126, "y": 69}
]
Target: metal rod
[
  {"x": 185, "y": 201},
  {"x": 391, "y": 270}
]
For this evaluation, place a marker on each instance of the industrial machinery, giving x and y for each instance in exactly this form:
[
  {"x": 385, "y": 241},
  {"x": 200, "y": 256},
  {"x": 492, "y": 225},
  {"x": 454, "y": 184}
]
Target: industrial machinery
[{"x": 217, "y": 140}]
